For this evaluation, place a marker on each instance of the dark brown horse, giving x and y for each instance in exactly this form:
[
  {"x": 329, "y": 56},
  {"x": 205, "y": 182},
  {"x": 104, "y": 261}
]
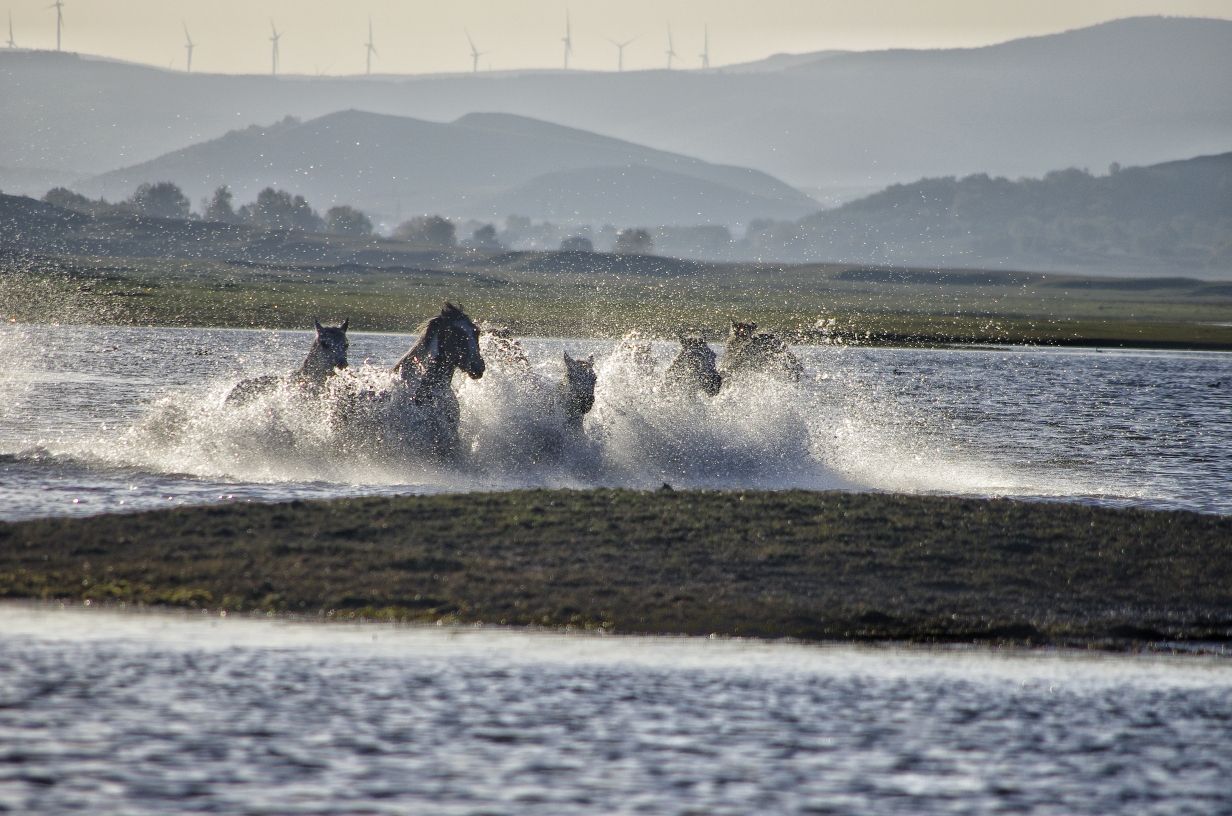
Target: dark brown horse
[{"x": 447, "y": 343}]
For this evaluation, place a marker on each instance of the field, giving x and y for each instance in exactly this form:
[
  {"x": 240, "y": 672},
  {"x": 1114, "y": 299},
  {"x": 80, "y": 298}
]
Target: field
[
  {"x": 815, "y": 566},
  {"x": 584, "y": 295}
]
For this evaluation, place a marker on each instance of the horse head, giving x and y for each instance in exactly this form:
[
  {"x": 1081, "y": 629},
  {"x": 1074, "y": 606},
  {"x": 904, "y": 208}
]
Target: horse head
[
  {"x": 459, "y": 341},
  {"x": 331, "y": 344},
  {"x": 447, "y": 342}
]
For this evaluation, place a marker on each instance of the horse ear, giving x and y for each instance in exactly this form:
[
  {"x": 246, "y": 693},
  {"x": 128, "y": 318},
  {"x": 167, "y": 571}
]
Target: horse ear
[
  {"x": 568, "y": 360},
  {"x": 590, "y": 359},
  {"x": 318, "y": 325},
  {"x": 345, "y": 324}
]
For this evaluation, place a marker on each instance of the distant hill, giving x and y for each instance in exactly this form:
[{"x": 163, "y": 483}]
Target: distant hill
[
  {"x": 482, "y": 165},
  {"x": 1137, "y": 91},
  {"x": 633, "y": 196},
  {"x": 1171, "y": 216}
]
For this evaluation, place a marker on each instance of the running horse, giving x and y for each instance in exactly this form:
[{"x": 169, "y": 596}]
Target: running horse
[
  {"x": 327, "y": 355},
  {"x": 447, "y": 343}
]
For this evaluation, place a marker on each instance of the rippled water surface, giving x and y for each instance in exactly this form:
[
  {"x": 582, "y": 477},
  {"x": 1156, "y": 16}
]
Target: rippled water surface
[
  {"x": 141, "y": 714},
  {"x": 101, "y": 419}
]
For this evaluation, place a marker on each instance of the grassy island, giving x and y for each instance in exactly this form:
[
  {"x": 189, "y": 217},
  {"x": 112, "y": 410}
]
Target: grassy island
[{"x": 814, "y": 566}]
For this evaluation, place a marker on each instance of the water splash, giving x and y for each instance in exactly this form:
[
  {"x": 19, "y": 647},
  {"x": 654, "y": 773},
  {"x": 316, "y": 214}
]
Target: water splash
[{"x": 854, "y": 421}]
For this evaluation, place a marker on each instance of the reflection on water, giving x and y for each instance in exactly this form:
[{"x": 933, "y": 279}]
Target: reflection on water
[
  {"x": 151, "y": 714},
  {"x": 101, "y": 419}
]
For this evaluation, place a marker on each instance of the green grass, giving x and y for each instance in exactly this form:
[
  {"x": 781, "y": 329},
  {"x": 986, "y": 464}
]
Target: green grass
[
  {"x": 817, "y": 566},
  {"x": 600, "y": 296}
]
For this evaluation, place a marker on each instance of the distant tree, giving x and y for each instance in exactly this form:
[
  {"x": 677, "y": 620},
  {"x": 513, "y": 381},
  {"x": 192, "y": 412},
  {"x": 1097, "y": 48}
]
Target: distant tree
[
  {"x": 485, "y": 238},
  {"x": 219, "y": 207},
  {"x": 162, "y": 199},
  {"x": 633, "y": 242},
  {"x": 347, "y": 221},
  {"x": 517, "y": 223},
  {"x": 70, "y": 200},
  {"x": 429, "y": 230},
  {"x": 278, "y": 209},
  {"x": 577, "y": 243}
]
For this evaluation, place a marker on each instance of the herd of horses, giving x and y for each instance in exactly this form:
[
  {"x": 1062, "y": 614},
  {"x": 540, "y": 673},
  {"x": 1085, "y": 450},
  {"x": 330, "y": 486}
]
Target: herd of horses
[{"x": 452, "y": 342}]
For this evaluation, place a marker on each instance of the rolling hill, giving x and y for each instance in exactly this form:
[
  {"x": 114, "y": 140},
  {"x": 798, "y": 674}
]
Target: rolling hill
[
  {"x": 1137, "y": 91},
  {"x": 481, "y": 165},
  {"x": 1169, "y": 217}
]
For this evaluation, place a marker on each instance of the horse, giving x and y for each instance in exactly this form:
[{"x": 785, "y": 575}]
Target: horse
[
  {"x": 575, "y": 395},
  {"x": 752, "y": 352},
  {"x": 693, "y": 370},
  {"x": 447, "y": 342},
  {"x": 327, "y": 355}
]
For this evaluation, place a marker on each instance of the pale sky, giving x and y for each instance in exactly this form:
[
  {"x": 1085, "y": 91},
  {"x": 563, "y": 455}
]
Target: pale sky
[{"x": 414, "y": 36}]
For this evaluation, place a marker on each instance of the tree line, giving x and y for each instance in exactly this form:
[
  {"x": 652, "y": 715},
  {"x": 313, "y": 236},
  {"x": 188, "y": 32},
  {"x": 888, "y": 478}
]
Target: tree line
[{"x": 275, "y": 209}]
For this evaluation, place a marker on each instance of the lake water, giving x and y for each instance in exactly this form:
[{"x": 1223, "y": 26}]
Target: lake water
[
  {"x": 110, "y": 713},
  {"x": 98, "y": 419}
]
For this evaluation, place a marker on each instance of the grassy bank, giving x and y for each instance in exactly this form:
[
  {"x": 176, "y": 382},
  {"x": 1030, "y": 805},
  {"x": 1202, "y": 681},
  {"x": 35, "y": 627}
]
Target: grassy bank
[
  {"x": 566, "y": 294},
  {"x": 817, "y": 566}
]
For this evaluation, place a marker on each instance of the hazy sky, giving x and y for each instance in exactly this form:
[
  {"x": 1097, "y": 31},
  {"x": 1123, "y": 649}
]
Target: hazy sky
[{"x": 413, "y": 36}]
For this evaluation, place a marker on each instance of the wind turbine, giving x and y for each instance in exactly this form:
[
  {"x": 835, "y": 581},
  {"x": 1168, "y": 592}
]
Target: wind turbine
[
  {"x": 671, "y": 50},
  {"x": 475, "y": 53},
  {"x": 274, "y": 38},
  {"x": 11, "y": 43},
  {"x": 705, "y": 55},
  {"x": 371, "y": 49},
  {"x": 567, "y": 40},
  {"x": 189, "y": 45},
  {"x": 620, "y": 52},
  {"x": 59, "y": 7}
]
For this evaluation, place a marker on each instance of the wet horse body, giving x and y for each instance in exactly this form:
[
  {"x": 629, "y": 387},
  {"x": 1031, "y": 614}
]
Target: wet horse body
[{"x": 326, "y": 357}]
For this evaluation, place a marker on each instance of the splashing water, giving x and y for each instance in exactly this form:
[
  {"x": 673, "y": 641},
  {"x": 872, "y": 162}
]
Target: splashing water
[{"x": 127, "y": 405}]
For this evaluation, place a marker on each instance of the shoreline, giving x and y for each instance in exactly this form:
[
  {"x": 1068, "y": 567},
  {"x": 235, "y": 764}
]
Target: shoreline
[
  {"x": 802, "y": 303},
  {"x": 812, "y": 567}
]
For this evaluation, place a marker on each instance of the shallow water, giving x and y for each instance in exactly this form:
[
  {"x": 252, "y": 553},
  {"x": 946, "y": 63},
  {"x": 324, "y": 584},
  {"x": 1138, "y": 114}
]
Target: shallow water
[
  {"x": 102, "y": 712},
  {"x": 99, "y": 419}
]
